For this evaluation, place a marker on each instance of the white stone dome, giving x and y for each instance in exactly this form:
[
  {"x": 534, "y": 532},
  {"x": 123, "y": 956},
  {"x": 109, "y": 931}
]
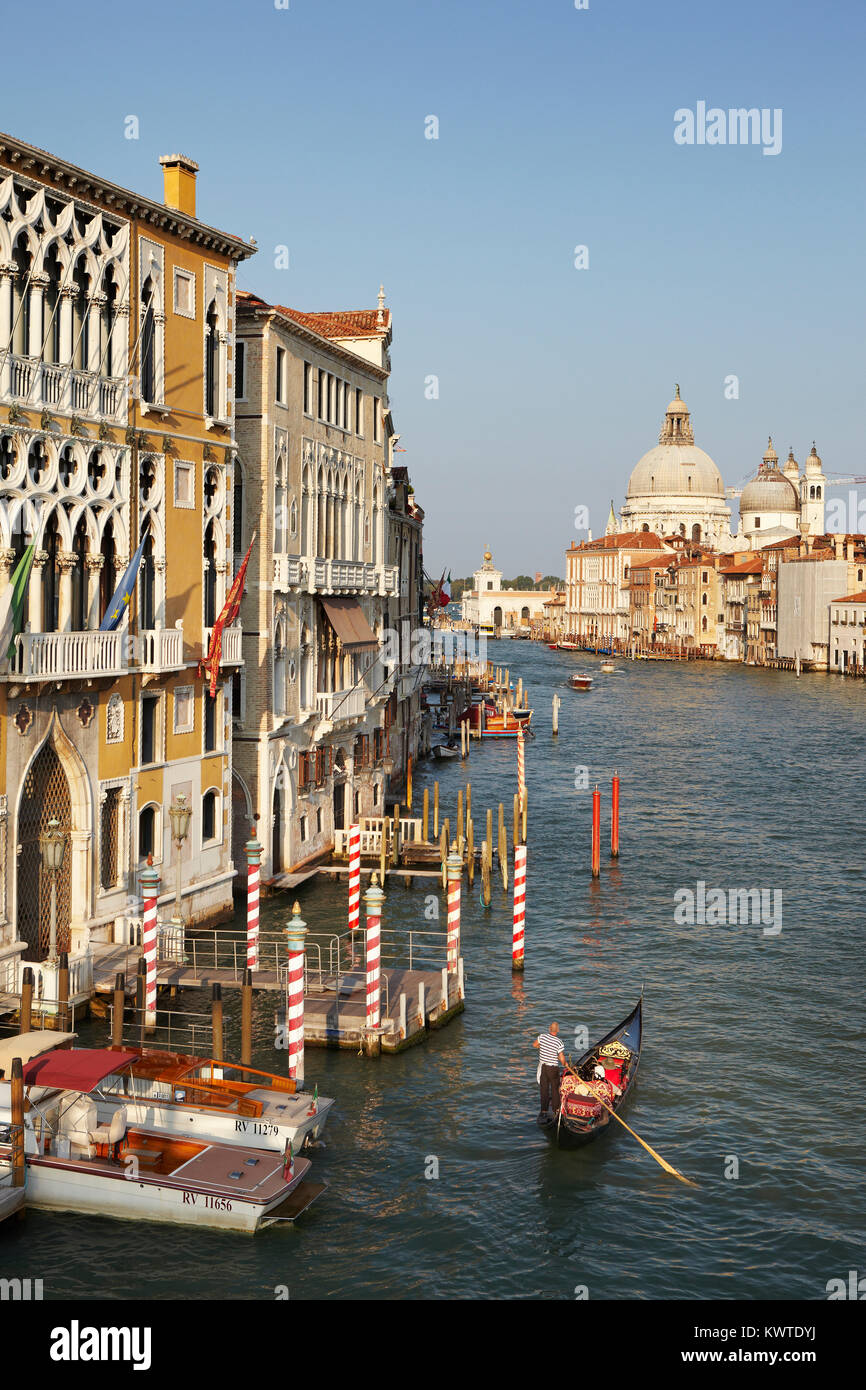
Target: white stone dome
[
  {"x": 770, "y": 492},
  {"x": 675, "y": 470}
]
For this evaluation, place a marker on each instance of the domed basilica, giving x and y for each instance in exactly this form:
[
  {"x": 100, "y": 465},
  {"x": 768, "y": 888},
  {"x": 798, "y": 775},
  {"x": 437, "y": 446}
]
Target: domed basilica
[{"x": 677, "y": 490}]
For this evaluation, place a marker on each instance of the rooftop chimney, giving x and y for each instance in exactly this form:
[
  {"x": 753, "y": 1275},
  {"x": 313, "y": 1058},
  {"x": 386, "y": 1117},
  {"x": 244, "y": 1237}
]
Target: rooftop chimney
[{"x": 179, "y": 182}]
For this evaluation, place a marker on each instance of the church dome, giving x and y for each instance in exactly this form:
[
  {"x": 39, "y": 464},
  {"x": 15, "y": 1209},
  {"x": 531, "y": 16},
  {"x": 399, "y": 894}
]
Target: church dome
[
  {"x": 770, "y": 492},
  {"x": 676, "y": 467}
]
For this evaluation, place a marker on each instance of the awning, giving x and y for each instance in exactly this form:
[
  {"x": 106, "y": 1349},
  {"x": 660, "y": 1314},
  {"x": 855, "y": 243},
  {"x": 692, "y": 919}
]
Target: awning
[
  {"x": 346, "y": 617},
  {"x": 29, "y": 1045},
  {"x": 76, "y": 1071}
]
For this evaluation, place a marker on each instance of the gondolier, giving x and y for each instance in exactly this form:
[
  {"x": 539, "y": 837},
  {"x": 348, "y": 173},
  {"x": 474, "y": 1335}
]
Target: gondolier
[{"x": 551, "y": 1058}]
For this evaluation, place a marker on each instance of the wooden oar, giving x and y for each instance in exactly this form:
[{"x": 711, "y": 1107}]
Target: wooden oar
[{"x": 658, "y": 1158}]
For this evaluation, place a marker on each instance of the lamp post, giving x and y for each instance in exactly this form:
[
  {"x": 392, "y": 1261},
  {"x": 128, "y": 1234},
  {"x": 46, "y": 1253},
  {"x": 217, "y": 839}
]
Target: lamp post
[
  {"x": 52, "y": 847},
  {"x": 179, "y": 814}
]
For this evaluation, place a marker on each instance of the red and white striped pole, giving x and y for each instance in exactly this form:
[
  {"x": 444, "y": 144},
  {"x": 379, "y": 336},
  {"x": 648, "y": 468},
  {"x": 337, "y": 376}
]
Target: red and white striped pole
[
  {"x": 596, "y": 833},
  {"x": 254, "y": 852},
  {"x": 373, "y": 900},
  {"x": 149, "y": 889},
  {"x": 454, "y": 873},
  {"x": 521, "y": 766},
  {"x": 614, "y": 817},
  {"x": 517, "y": 939},
  {"x": 354, "y": 884},
  {"x": 296, "y": 932}
]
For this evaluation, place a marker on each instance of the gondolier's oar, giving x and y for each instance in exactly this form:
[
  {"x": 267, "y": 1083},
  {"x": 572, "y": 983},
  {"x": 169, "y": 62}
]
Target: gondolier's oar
[{"x": 658, "y": 1158}]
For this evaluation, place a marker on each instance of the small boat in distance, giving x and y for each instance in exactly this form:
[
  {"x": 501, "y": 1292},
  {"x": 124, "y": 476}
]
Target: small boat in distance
[
  {"x": 567, "y": 646},
  {"x": 607, "y": 667},
  {"x": 580, "y": 681},
  {"x": 616, "y": 1056},
  {"x": 443, "y": 751}
]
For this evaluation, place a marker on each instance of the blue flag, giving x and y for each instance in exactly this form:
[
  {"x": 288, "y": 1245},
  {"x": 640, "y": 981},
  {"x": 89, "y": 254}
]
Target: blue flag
[{"x": 123, "y": 593}]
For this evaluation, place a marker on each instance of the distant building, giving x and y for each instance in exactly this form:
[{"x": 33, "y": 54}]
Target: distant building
[
  {"x": 487, "y": 605},
  {"x": 597, "y": 584},
  {"x": 806, "y": 587},
  {"x": 848, "y": 634}
]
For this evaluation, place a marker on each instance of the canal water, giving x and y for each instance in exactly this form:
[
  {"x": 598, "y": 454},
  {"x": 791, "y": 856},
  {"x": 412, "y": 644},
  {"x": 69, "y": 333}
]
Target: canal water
[{"x": 731, "y": 777}]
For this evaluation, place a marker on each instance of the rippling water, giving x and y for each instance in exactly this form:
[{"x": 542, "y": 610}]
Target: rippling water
[{"x": 752, "y": 1051}]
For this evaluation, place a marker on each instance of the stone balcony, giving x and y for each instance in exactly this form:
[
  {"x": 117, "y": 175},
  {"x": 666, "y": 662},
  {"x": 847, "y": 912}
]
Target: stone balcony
[
  {"x": 231, "y": 653},
  {"x": 339, "y": 705},
  {"x": 78, "y": 656},
  {"x": 323, "y": 576},
  {"x": 38, "y": 385}
]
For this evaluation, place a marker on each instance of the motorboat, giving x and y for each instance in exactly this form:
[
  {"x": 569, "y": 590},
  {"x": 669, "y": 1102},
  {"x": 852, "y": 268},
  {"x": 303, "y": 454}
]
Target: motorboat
[
  {"x": 196, "y": 1097},
  {"x": 82, "y": 1154},
  {"x": 580, "y": 681}
]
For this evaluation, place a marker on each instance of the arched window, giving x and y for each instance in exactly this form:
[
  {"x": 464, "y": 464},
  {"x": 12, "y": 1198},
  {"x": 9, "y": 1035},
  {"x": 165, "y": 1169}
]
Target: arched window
[
  {"x": 209, "y": 808},
  {"x": 818, "y": 492},
  {"x": 210, "y": 576},
  {"x": 148, "y": 343},
  {"x": 50, "y": 576},
  {"x": 79, "y": 578},
  {"x": 107, "y": 576},
  {"x": 147, "y": 588},
  {"x": 696, "y": 533},
  {"x": 147, "y": 832},
  {"x": 108, "y": 351},
  {"x": 238, "y": 515},
  {"x": 20, "y": 298},
  {"x": 211, "y": 354},
  {"x": 54, "y": 271},
  {"x": 279, "y": 672},
  {"x": 80, "y": 316}
]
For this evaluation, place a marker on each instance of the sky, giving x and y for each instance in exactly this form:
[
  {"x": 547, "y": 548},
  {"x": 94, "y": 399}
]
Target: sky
[{"x": 523, "y": 386}]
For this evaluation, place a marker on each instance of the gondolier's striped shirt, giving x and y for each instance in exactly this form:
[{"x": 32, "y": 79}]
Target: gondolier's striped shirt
[{"x": 549, "y": 1049}]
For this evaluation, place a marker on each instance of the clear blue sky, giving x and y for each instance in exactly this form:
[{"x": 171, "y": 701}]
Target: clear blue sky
[{"x": 556, "y": 129}]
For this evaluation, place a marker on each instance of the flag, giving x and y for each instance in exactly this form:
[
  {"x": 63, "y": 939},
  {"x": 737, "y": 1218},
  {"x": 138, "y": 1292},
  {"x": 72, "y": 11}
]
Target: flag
[
  {"x": 12, "y": 602},
  {"x": 314, "y": 1104},
  {"x": 211, "y": 663},
  {"x": 123, "y": 593},
  {"x": 289, "y": 1163}
]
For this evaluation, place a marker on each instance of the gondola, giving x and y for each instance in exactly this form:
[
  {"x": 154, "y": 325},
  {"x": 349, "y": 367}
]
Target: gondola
[
  {"x": 582, "y": 1117},
  {"x": 445, "y": 750}
]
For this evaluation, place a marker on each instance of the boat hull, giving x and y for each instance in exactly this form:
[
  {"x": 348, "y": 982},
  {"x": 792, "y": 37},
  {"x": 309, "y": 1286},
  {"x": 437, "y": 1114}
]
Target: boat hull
[
  {"x": 56, "y": 1184},
  {"x": 569, "y": 1132}
]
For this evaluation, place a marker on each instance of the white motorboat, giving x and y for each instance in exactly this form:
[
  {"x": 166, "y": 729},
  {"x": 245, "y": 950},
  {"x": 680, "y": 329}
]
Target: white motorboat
[
  {"x": 78, "y": 1159},
  {"x": 192, "y": 1096}
]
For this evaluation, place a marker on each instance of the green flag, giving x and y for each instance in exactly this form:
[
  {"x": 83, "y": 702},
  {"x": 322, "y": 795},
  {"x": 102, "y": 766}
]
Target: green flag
[{"x": 12, "y": 603}]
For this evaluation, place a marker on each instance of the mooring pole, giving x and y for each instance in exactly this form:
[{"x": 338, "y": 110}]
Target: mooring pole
[
  {"x": 247, "y": 1018},
  {"x": 216, "y": 1018},
  {"x": 596, "y": 833},
  {"x": 519, "y": 925},
  {"x": 118, "y": 1004},
  {"x": 614, "y": 816},
  {"x": 296, "y": 933},
  {"x": 25, "y": 1015}
]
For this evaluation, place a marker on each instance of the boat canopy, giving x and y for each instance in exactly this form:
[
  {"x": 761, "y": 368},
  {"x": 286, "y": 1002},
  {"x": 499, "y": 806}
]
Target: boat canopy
[
  {"x": 27, "y": 1045},
  {"x": 75, "y": 1071}
]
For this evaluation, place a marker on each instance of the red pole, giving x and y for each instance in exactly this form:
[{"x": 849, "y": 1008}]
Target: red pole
[
  {"x": 614, "y": 817},
  {"x": 596, "y": 832}
]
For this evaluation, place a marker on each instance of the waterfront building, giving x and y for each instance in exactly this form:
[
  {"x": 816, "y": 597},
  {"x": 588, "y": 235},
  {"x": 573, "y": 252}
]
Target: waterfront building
[
  {"x": 116, "y": 424},
  {"x": 848, "y": 634},
  {"x": 807, "y": 586},
  {"x": 490, "y": 607},
  {"x": 409, "y": 731},
  {"x": 739, "y": 578},
  {"x": 597, "y": 578},
  {"x": 336, "y": 567}
]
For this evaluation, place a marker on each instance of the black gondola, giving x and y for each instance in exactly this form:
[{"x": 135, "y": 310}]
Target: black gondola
[{"x": 582, "y": 1116}]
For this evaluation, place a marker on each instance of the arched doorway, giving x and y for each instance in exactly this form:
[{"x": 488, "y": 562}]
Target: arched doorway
[
  {"x": 45, "y": 796},
  {"x": 242, "y": 824}
]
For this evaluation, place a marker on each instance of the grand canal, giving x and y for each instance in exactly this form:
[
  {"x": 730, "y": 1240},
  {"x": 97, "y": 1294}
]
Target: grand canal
[{"x": 736, "y": 777}]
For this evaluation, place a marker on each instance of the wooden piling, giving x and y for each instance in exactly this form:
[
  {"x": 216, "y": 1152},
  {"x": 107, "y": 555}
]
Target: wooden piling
[
  {"x": 468, "y": 800},
  {"x": 118, "y": 1003},
  {"x": 16, "y": 1088},
  {"x": 524, "y": 815},
  {"x": 395, "y": 838},
  {"x": 556, "y": 703},
  {"x": 486, "y": 892},
  {"x": 63, "y": 993},
  {"x": 383, "y": 848},
  {"x": 216, "y": 1016},
  {"x": 247, "y": 1018},
  {"x": 141, "y": 997},
  {"x": 515, "y": 824},
  {"x": 435, "y": 810},
  {"x": 518, "y": 703},
  {"x": 614, "y": 816},
  {"x": 443, "y": 852},
  {"x": 502, "y": 841},
  {"x": 470, "y": 851},
  {"x": 460, "y": 815},
  {"x": 25, "y": 1014},
  {"x": 489, "y": 835},
  {"x": 425, "y": 815},
  {"x": 409, "y": 783}
]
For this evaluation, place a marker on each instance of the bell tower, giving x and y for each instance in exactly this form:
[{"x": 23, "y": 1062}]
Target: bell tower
[{"x": 813, "y": 487}]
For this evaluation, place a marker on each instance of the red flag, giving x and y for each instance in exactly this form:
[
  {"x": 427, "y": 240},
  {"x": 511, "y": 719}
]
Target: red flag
[{"x": 231, "y": 608}]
